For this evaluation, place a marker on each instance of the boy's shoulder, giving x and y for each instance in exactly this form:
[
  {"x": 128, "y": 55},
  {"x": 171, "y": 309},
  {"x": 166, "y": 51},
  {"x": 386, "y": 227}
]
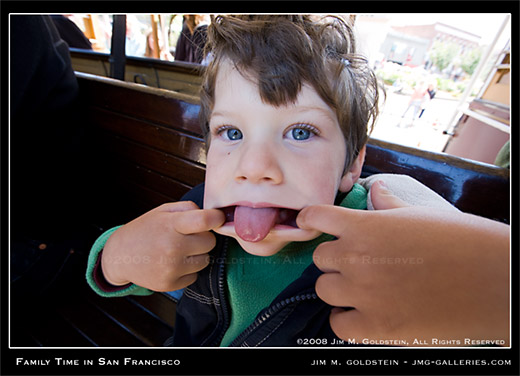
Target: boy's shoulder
[{"x": 196, "y": 194}]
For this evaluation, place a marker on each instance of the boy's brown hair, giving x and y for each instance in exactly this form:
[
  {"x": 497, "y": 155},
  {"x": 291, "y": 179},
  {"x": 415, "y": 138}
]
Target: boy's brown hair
[{"x": 283, "y": 52}]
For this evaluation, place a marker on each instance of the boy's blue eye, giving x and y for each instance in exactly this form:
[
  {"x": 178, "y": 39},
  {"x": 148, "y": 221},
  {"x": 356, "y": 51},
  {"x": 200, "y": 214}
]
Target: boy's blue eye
[
  {"x": 234, "y": 134},
  {"x": 300, "y": 134}
]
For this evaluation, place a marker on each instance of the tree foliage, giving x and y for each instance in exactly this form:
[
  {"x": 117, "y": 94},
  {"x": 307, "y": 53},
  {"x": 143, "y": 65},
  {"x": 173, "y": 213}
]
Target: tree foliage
[
  {"x": 443, "y": 53},
  {"x": 470, "y": 60}
]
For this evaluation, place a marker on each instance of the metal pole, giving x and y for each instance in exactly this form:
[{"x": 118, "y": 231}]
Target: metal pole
[{"x": 117, "y": 52}]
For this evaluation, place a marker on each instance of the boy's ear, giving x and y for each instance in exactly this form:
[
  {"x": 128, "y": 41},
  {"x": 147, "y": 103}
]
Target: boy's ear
[{"x": 353, "y": 173}]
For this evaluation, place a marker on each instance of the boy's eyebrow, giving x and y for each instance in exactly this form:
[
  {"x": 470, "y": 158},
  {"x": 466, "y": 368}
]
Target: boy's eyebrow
[
  {"x": 220, "y": 113},
  {"x": 328, "y": 113},
  {"x": 314, "y": 108}
]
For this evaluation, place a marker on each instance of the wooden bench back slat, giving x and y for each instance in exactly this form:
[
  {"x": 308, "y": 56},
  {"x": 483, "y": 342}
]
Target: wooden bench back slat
[
  {"x": 144, "y": 198},
  {"x": 95, "y": 323},
  {"x": 90, "y": 62},
  {"x": 165, "y": 139},
  {"x": 134, "y": 319},
  {"x": 155, "y": 105},
  {"x": 164, "y": 163},
  {"x": 178, "y": 76},
  {"x": 129, "y": 172},
  {"x": 47, "y": 335},
  {"x": 179, "y": 82},
  {"x": 471, "y": 186}
]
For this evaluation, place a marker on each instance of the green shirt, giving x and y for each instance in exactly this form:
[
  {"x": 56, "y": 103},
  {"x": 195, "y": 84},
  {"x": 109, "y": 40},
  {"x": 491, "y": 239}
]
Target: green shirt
[{"x": 255, "y": 281}]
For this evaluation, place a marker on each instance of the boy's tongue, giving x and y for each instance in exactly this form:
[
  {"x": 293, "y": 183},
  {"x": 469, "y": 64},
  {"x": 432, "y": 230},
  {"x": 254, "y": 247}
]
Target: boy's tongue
[{"x": 253, "y": 225}]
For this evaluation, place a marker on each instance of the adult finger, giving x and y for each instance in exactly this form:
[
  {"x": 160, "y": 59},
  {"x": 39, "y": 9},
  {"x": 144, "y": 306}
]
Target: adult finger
[
  {"x": 335, "y": 290},
  {"x": 324, "y": 218},
  {"x": 350, "y": 324},
  {"x": 333, "y": 256}
]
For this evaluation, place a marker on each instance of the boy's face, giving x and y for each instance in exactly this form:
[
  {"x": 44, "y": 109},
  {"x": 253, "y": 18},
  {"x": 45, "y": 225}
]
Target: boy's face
[{"x": 266, "y": 163}]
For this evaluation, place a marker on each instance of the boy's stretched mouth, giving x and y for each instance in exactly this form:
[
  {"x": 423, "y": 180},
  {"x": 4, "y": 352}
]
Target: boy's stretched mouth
[{"x": 254, "y": 224}]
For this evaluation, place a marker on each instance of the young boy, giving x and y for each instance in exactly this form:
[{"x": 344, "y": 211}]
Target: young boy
[{"x": 285, "y": 104}]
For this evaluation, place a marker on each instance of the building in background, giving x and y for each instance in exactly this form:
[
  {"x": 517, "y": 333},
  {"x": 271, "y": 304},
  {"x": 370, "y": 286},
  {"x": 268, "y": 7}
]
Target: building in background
[{"x": 412, "y": 45}]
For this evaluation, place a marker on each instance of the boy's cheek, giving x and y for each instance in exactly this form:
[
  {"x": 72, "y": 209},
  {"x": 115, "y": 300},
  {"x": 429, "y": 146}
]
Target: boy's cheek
[
  {"x": 211, "y": 189},
  {"x": 218, "y": 173},
  {"x": 211, "y": 185},
  {"x": 323, "y": 191}
]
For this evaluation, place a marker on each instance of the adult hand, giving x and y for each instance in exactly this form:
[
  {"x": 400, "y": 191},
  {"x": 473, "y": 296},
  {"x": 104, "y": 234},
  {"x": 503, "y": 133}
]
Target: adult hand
[{"x": 412, "y": 274}]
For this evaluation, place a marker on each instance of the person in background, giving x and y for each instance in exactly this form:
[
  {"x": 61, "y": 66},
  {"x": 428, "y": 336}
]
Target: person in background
[
  {"x": 431, "y": 94},
  {"x": 191, "y": 42},
  {"x": 416, "y": 101},
  {"x": 164, "y": 54},
  {"x": 47, "y": 168},
  {"x": 70, "y": 32},
  {"x": 135, "y": 44},
  {"x": 503, "y": 158}
]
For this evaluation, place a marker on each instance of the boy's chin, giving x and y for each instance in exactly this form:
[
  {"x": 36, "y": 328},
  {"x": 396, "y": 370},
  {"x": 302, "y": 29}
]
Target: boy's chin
[
  {"x": 263, "y": 248},
  {"x": 273, "y": 243}
]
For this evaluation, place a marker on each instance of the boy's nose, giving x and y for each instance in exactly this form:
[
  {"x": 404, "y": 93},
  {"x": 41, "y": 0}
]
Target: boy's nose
[{"x": 258, "y": 164}]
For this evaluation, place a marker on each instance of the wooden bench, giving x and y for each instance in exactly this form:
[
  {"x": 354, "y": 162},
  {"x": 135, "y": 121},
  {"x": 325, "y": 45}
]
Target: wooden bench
[
  {"x": 179, "y": 76},
  {"x": 147, "y": 149}
]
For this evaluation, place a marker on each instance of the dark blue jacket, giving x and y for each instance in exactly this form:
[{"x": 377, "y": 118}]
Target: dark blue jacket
[{"x": 297, "y": 317}]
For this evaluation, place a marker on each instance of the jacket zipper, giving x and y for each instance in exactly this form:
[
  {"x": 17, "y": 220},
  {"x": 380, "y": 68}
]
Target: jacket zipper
[
  {"x": 270, "y": 312},
  {"x": 222, "y": 292}
]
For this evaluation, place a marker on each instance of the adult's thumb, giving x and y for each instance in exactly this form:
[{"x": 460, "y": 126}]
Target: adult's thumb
[{"x": 383, "y": 199}]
